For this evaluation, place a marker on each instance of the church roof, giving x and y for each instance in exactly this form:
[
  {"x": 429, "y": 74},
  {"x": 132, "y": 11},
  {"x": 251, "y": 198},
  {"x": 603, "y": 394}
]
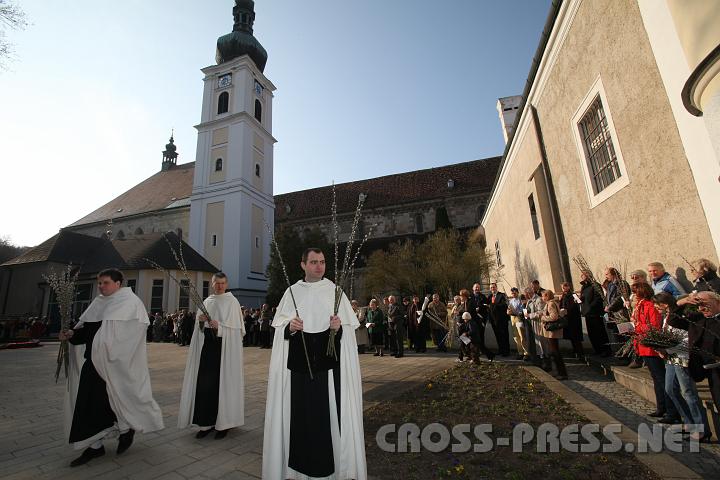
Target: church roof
[
  {"x": 93, "y": 254},
  {"x": 472, "y": 177},
  {"x": 163, "y": 190},
  {"x": 63, "y": 247}
]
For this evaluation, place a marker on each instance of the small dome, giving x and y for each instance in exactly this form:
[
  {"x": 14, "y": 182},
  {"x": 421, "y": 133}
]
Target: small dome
[
  {"x": 170, "y": 147},
  {"x": 241, "y": 41}
]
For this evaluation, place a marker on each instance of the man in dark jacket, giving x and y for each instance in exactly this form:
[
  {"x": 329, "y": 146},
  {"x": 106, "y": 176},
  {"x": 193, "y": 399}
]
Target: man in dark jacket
[
  {"x": 704, "y": 335},
  {"x": 478, "y": 308},
  {"x": 499, "y": 319},
  {"x": 593, "y": 309},
  {"x": 396, "y": 323}
]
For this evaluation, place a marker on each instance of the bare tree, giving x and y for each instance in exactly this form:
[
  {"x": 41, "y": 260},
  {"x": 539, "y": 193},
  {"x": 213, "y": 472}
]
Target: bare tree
[{"x": 11, "y": 16}]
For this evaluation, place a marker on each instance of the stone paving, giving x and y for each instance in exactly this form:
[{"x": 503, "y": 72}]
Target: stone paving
[
  {"x": 631, "y": 409},
  {"x": 33, "y": 446},
  {"x": 32, "y": 443}
]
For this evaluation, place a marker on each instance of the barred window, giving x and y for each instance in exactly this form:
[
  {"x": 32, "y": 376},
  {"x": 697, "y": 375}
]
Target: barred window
[{"x": 598, "y": 146}]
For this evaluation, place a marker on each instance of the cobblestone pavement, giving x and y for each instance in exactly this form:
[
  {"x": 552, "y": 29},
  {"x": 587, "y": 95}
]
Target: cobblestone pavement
[
  {"x": 33, "y": 446},
  {"x": 32, "y": 443},
  {"x": 631, "y": 409}
]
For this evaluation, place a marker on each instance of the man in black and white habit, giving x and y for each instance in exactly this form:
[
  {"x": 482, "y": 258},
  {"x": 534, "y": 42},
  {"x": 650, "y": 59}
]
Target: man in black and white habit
[
  {"x": 314, "y": 426},
  {"x": 109, "y": 389},
  {"x": 213, "y": 392}
]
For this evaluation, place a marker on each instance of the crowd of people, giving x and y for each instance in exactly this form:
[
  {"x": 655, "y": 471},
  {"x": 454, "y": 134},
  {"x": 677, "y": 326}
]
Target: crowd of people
[{"x": 621, "y": 319}]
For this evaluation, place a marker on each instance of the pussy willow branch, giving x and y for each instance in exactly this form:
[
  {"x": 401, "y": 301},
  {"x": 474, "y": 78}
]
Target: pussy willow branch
[
  {"x": 287, "y": 280},
  {"x": 707, "y": 284}
]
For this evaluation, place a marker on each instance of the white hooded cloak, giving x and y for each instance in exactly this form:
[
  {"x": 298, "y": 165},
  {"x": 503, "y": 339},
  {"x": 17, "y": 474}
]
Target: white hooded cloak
[
  {"x": 226, "y": 310},
  {"x": 315, "y": 306},
  {"x": 119, "y": 355}
]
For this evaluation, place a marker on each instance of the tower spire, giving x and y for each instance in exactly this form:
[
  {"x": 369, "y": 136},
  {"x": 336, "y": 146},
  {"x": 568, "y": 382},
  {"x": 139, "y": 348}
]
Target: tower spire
[
  {"x": 241, "y": 41},
  {"x": 170, "y": 153}
]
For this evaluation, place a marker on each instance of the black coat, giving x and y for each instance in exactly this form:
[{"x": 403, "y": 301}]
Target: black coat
[
  {"x": 573, "y": 331},
  {"x": 592, "y": 300},
  {"x": 498, "y": 310},
  {"x": 477, "y": 306},
  {"x": 708, "y": 282}
]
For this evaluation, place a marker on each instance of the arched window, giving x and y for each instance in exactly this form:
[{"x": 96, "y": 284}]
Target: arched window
[
  {"x": 223, "y": 102},
  {"x": 139, "y": 231},
  {"x": 258, "y": 110},
  {"x": 218, "y": 165},
  {"x": 120, "y": 235},
  {"x": 257, "y": 169}
]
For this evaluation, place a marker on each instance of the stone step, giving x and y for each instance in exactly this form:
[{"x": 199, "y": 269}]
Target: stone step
[{"x": 639, "y": 381}]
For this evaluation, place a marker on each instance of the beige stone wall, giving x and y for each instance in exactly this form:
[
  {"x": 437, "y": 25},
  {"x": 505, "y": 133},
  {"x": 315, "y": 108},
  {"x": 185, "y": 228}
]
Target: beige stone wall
[
  {"x": 658, "y": 216},
  {"x": 214, "y": 225},
  {"x": 218, "y": 175},
  {"x": 524, "y": 257}
]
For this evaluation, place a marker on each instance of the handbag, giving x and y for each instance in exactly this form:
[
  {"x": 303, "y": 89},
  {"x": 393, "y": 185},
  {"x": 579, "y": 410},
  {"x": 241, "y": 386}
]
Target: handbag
[{"x": 560, "y": 323}]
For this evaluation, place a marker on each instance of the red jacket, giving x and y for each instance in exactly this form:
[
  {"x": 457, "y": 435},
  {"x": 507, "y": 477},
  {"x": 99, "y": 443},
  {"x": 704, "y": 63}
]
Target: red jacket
[{"x": 645, "y": 317}]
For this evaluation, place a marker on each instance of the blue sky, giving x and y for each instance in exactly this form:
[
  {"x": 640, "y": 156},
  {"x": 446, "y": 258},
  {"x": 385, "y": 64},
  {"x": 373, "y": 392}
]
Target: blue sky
[{"x": 364, "y": 88}]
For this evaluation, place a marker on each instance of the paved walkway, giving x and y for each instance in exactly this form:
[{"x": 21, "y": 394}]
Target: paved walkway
[
  {"x": 32, "y": 443},
  {"x": 630, "y": 409}
]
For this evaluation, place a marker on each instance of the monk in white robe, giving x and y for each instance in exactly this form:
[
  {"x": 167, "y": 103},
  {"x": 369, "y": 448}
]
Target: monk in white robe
[
  {"x": 109, "y": 391},
  {"x": 213, "y": 392},
  {"x": 313, "y": 416}
]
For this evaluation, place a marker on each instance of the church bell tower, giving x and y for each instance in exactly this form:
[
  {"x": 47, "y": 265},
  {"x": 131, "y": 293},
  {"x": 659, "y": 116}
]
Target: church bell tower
[{"x": 232, "y": 196}]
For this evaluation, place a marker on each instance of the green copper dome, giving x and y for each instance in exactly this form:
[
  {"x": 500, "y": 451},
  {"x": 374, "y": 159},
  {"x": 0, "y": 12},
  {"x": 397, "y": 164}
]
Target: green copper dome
[{"x": 241, "y": 41}]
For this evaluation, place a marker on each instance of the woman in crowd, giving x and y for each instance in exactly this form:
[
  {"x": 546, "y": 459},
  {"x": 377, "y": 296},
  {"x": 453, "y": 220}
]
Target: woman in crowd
[
  {"x": 646, "y": 317},
  {"x": 550, "y": 315},
  {"x": 573, "y": 329},
  {"x": 705, "y": 276},
  {"x": 679, "y": 386},
  {"x": 361, "y": 333},
  {"x": 375, "y": 321}
]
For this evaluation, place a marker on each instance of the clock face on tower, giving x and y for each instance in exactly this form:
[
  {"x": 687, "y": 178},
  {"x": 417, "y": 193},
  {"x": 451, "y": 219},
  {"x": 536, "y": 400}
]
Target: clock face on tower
[
  {"x": 258, "y": 89},
  {"x": 225, "y": 80}
]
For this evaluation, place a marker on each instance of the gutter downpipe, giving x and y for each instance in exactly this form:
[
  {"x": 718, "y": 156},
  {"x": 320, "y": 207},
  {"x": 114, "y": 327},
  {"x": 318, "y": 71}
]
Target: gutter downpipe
[{"x": 554, "y": 211}]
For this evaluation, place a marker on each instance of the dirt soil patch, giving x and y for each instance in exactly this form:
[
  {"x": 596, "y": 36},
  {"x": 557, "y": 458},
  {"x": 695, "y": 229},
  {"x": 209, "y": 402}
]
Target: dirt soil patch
[{"x": 491, "y": 394}]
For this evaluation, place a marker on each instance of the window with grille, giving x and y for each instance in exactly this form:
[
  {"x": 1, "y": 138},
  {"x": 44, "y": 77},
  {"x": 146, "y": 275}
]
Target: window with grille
[
  {"x": 598, "y": 145},
  {"x": 498, "y": 257}
]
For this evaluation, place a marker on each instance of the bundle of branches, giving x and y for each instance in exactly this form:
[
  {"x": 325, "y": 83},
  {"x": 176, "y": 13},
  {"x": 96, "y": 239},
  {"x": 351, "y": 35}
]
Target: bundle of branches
[
  {"x": 186, "y": 282},
  {"x": 273, "y": 240},
  {"x": 583, "y": 265},
  {"x": 663, "y": 339},
  {"x": 692, "y": 268},
  {"x": 63, "y": 284},
  {"x": 347, "y": 270}
]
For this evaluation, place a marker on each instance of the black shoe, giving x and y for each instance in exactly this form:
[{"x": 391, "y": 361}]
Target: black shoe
[
  {"x": 88, "y": 455},
  {"x": 561, "y": 377},
  {"x": 669, "y": 420},
  {"x": 125, "y": 440},
  {"x": 376, "y": 354},
  {"x": 526, "y": 358},
  {"x": 656, "y": 414},
  {"x": 220, "y": 434},
  {"x": 204, "y": 433}
]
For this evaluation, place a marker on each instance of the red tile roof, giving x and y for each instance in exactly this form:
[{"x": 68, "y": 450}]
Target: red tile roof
[
  {"x": 154, "y": 193},
  {"x": 420, "y": 185}
]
